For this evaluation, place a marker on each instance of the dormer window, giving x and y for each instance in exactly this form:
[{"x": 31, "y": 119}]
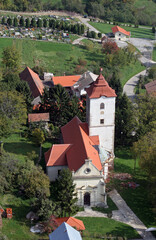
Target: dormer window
[{"x": 102, "y": 106}]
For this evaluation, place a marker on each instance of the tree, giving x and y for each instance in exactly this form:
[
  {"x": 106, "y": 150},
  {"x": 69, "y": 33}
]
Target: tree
[
  {"x": 125, "y": 121},
  {"x": 9, "y": 21},
  {"x": 115, "y": 83},
  {"x": 45, "y": 22},
  {"x": 145, "y": 150},
  {"x": 3, "y": 20},
  {"x": 145, "y": 112},
  {"x": 33, "y": 22},
  {"x": 66, "y": 194},
  {"x": 15, "y": 23},
  {"x": 38, "y": 138},
  {"x": 32, "y": 181},
  {"x": 21, "y": 22},
  {"x": 109, "y": 46},
  {"x": 39, "y": 23},
  {"x": 153, "y": 29},
  {"x": 27, "y": 22},
  {"x": 13, "y": 113},
  {"x": 11, "y": 59}
]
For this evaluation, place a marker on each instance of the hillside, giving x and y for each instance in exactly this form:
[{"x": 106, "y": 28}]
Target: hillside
[{"x": 132, "y": 11}]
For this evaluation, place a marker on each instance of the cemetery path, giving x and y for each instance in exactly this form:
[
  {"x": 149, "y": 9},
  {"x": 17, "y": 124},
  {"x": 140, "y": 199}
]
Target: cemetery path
[{"x": 124, "y": 214}]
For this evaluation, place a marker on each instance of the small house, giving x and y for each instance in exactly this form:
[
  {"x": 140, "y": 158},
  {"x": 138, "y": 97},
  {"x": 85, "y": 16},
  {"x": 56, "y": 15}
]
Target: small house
[
  {"x": 39, "y": 117},
  {"x": 120, "y": 33}
]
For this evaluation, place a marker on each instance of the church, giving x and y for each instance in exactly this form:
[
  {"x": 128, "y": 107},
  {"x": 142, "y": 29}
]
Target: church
[{"x": 88, "y": 148}]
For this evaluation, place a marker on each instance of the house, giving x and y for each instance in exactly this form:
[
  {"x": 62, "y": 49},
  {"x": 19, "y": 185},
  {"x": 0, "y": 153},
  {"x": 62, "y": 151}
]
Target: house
[
  {"x": 65, "y": 232},
  {"x": 151, "y": 88},
  {"x": 39, "y": 117},
  {"x": 73, "y": 222},
  {"x": 88, "y": 148},
  {"x": 66, "y": 81},
  {"x": 33, "y": 80},
  {"x": 120, "y": 33},
  {"x": 85, "y": 80}
]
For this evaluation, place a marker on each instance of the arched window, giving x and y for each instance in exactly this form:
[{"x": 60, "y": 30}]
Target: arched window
[{"x": 102, "y": 106}]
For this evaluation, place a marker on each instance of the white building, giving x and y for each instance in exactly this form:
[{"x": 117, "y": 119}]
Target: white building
[
  {"x": 120, "y": 33},
  {"x": 88, "y": 147}
]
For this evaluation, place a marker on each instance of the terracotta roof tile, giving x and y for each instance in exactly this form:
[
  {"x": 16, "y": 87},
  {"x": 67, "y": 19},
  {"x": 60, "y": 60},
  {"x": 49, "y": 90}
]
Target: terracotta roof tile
[
  {"x": 66, "y": 81},
  {"x": 95, "y": 139},
  {"x": 82, "y": 147},
  {"x": 119, "y": 29},
  {"x": 100, "y": 88},
  {"x": 35, "y": 83},
  {"x": 56, "y": 155},
  {"x": 37, "y": 117},
  {"x": 73, "y": 222}
]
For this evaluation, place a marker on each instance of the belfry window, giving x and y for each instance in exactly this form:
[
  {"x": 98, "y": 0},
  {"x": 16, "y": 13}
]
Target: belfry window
[
  {"x": 102, "y": 106},
  {"x": 101, "y": 121}
]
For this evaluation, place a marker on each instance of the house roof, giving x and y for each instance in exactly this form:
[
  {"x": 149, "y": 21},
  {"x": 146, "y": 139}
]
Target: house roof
[
  {"x": 151, "y": 87},
  {"x": 66, "y": 81},
  {"x": 83, "y": 147},
  {"x": 119, "y": 29},
  {"x": 56, "y": 155},
  {"x": 73, "y": 222},
  {"x": 100, "y": 88},
  {"x": 65, "y": 232},
  {"x": 77, "y": 147},
  {"x": 35, "y": 83},
  {"x": 85, "y": 80},
  {"x": 37, "y": 117}
]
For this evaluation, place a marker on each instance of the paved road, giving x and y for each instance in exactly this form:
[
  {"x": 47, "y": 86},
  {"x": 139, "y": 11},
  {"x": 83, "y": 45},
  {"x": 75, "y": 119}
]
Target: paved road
[
  {"x": 130, "y": 85},
  {"x": 128, "y": 216}
]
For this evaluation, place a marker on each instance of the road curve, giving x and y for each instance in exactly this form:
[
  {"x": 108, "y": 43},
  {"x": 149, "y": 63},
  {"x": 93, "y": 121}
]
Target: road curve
[{"x": 131, "y": 84}]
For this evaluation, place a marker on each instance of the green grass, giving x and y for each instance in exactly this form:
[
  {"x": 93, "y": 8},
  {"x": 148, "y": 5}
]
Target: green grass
[
  {"x": 137, "y": 199},
  {"x": 154, "y": 54},
  {"x": 17, "y": 227},
  {"x": 129, "y": 71},
  {"x": 135, "y": 32},
  {"x": 20, "y": 146},
  {"x": 105, "y": 226}
]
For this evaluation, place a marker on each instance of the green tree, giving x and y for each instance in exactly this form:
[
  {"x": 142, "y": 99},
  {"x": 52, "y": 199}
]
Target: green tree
[
  {"x": 125, "y": 121},
  {"x": 9, "y": 21},
  {"x": 3, "y": 20},
  {"x": 13, "y": 113},
  {"x": 27, "y": 23},
  {"x": 38, "y": 138},
  {"x": 11, "y": 59},
  {"x": 115, "y": 83},
  {"x": 15, "y": 23},
  {"x": 33, "y": 22},
  {"x": 21, "y": 22},
  {"x": 145, "y": 112},
  {"x": 45, "y": 22},
  {"x": 66, "y": 194},
  {"x": 39, "y": 23}
]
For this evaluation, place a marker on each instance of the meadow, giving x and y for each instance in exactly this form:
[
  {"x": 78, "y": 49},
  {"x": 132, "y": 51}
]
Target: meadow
[{"x": 135, "y": 32}]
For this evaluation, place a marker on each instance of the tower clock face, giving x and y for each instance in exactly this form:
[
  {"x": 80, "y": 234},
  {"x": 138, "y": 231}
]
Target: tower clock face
[{"x": 87, "y": 170}]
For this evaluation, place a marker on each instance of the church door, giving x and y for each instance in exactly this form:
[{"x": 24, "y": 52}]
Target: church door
[{"x": 87, "y": 199}]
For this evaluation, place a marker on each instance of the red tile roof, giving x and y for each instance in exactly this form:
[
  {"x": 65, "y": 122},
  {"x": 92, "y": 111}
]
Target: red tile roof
[
  {"x": 35, "y": 83},
  {"x": 100, "y": 88},
  {"x": 77, "y": 147},
  {"x": 56, "y": 155},
  {"x": 82, "y": 147},
  {"x": 119, "y": 29},
  {"x": 95, "y": 139},
  {"x": 73, "y": 222},
  {"x": 66, "y": 81},
  {"x": 37, "y": 117},
  {"x": 151, "y": 87}
]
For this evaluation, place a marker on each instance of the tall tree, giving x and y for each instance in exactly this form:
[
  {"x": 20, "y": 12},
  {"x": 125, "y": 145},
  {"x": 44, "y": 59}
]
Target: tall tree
[
  {"x": 66, "y": 194},
  {"x": 15, "y": 22},
  {"x": 27, "y": 22}
]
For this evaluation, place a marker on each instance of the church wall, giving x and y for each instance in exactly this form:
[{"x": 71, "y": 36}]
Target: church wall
[{"x": 53, "y": 171}]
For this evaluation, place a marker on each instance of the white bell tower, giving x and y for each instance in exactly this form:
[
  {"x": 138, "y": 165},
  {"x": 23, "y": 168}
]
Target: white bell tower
[{"x": 100, "y": 112}]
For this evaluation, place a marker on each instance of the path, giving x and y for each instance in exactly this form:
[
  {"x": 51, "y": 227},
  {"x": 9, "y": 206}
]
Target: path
[
  {"x": 124, "y": 215},
  {"x": 129, "y": 87},
  {"x": 127, "y": 216}
]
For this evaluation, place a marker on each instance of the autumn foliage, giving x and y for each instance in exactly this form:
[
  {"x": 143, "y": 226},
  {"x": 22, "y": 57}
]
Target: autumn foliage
[{"x": 109, "y": 46}]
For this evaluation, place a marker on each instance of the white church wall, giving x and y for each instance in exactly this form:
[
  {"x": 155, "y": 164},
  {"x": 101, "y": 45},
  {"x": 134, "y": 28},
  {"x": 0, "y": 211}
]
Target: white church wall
[{"x": 53, "y": 172}]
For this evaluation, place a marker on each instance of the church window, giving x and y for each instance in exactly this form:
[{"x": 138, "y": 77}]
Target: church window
[
  {"x": 87, "y": 170},
  {"x": 102, "y": 106},
  {"x": 101, "y": 121}
]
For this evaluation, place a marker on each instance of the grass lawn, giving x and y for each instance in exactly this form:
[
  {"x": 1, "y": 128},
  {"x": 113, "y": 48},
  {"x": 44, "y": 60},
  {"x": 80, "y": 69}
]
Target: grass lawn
[
  {"x": 135, "y": 32},
  {"x": 154, "y": 54},
  {"x": 111, "y": 207},
  {"x": 105, "y": 226},
  {"x": 129, "y": 71},
  {"x": 17, "y": 227},
  {"x": 137, "y": 199}
]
